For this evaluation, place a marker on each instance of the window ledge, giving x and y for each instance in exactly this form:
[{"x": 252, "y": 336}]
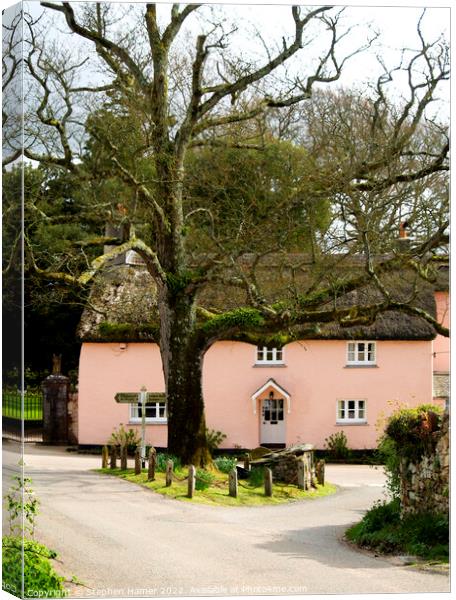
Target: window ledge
[
  {"x": 345, "y": 423},
  {"x": 361, "y": 366},
  {"x": 271, "y": 364},
  {"x": 148, "y": 422}
]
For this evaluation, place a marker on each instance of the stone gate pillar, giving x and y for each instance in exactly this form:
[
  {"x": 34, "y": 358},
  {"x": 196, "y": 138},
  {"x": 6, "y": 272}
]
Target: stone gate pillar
[{"x": 56, "y": 389}]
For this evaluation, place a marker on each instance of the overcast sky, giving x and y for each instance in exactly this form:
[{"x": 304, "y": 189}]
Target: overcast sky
[{"x": 397, "y": 25}]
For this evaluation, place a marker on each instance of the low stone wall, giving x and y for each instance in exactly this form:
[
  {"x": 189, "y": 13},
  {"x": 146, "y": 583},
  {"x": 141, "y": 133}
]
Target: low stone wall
[
  {"x": 286, "y": 470},
  {"x": 425, "y": 484},
  {"x": 285, "y": 464}
]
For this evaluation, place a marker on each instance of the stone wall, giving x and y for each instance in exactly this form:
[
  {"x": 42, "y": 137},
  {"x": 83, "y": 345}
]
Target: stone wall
[
  {"x": 285, "y": 463},
  {"x": 286, "y": 470},
  {"x": 425, "y": 484},
  {"x": 72, "y": 417}
]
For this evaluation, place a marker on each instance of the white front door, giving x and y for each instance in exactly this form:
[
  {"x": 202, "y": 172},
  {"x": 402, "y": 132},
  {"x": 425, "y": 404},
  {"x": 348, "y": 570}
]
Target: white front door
[{"x": 272, "y": 421}]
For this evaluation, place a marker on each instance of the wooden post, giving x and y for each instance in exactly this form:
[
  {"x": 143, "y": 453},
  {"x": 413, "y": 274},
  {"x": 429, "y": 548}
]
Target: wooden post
[
  {"x": 152, "y": 464},
  {"x": 301, "y": 475},
  {"x": 123, "y": 458},
  {"x": 169, "y": 473},
  {"x": 267, "y": 482},
  {"x": 247, "y": 461},
  {"x": 320, "y": 472},
  {"x": 104, "y": 457},
  {"x": 233, "y": 483},
  {"x": 113, "y": 464},
  {"x": 137, "y": 461},
  {"x": 191, "y": 481}
]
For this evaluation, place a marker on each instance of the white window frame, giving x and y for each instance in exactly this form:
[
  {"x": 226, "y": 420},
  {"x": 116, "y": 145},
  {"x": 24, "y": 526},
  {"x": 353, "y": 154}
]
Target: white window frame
[
  {"x": 343, "y": 404},
  {"x": 135, "y": 418},
  {"x": 356, "y": 351},
  {"x": 263, "y": 350}
]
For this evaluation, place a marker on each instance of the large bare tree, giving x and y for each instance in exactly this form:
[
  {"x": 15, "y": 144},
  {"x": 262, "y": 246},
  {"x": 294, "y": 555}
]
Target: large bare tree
[{"x": 174, "y": 99}]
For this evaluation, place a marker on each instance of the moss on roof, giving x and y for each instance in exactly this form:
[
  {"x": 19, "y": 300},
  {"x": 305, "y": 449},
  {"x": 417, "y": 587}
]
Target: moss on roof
[{"x": 123, "y": 302}]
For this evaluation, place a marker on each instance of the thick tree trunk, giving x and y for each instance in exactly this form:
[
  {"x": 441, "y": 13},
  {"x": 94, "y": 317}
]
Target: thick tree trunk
[{"x": 182, "y": 357}]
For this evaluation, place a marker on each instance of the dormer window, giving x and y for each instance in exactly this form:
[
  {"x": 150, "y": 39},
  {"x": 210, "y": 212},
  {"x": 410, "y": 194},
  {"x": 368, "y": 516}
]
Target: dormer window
[
  {"x": 266, "y": 355},
  {"x": 361, "y": 353}
]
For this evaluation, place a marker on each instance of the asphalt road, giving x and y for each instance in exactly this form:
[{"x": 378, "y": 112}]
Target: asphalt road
[{"x": 123, "y": 540}]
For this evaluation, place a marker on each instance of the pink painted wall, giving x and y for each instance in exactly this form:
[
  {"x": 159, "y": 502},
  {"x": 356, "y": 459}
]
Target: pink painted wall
[
  {"x": 104, "y": 370},
  {"x": 315, "y": 376},
  {"x": 441, "y": 344}
]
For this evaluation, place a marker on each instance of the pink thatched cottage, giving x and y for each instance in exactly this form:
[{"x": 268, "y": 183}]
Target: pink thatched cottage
[{"x": 341, "y": 379}]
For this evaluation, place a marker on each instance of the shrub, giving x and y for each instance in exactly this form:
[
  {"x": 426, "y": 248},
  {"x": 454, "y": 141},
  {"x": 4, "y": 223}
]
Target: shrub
[
  {"x": 203, "y": 479},
  {"x": 390, "y": 458},
  {"x": 225, "y": 464},
  {"x": 382, "y": 513},
  {"x": 162, "y": 460},
  {"x": 409, "y": 433},
  {"x": 214, "y": 439},
  {"x": 337, "y": 445},
  {"x": 256, "y": 477},
  {"x": 121, "y": 437},
  {"x": 40, "y": 579},
  {"x": 22, "y": 506},
  {"x": 412, "y": 430},
  {"x": 383, "y": 529}
]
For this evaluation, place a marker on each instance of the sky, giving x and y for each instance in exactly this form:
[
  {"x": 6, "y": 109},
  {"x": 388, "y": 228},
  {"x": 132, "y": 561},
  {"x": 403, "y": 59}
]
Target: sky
[{"x": 396, "y": 24}]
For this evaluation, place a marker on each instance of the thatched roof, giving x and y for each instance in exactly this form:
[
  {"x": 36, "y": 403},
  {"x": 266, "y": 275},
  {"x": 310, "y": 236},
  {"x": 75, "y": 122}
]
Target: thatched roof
[{"x": 123, "y": 305}]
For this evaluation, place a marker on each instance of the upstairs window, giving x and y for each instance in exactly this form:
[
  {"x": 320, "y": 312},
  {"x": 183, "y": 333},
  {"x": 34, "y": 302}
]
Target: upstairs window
[
  {"x": 351, "y": 411},
  {"x": 361, "y": 353},
  {"x": 155, "y": 412},
  {"x": 269, "y": 356}
]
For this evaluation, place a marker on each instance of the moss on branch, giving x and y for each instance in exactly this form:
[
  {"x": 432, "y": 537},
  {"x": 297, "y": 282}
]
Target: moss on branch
[{"x": 243, "y": 319}]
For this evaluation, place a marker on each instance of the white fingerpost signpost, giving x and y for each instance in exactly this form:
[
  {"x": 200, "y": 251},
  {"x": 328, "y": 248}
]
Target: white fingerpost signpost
[{"x": 142, "y": 398}]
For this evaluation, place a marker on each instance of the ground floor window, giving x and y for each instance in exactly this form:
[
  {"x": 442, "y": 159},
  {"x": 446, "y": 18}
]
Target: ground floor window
[
  {"x": 351, "y": 411},
  {"x": 155, "y": 412}
]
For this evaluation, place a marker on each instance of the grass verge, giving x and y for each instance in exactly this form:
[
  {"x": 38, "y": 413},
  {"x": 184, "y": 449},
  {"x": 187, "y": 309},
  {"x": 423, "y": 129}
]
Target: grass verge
[
  {"x": 382, "y": 529},
  {"x": 217, "y": 493}
]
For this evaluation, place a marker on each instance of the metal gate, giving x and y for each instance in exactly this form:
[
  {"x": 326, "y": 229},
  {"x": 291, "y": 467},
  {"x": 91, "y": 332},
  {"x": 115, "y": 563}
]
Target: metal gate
[{"x": 31, "y": 426}]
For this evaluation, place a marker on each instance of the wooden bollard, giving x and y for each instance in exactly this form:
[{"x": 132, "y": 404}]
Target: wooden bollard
[
  {"x": 233, "y": 483},
  {"x": 267, "y": 482},
  {"x": 152, "y": 464},
  {"x": 123, "y": 458},
  {"x": 169, "y": 473},
  {"x": 320, "y": 472},
  {"x": 104, "y": 457},
  {"x": 191, "y": 481},
  {"x": 137, "y": 461},
  {"x": 247, "y": 461},
  {"x": 113, "y": 463},
  {"x": 301, "y": 475}
]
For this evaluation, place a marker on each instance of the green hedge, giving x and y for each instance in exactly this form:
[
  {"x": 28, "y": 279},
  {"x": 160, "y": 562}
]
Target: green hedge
[{"x": 40, "y": 579}]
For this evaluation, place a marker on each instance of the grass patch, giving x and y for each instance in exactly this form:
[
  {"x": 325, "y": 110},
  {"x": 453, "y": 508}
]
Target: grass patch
[
  {"x": 217, "y": 493},
  {"x": 424, "y": 535}
]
